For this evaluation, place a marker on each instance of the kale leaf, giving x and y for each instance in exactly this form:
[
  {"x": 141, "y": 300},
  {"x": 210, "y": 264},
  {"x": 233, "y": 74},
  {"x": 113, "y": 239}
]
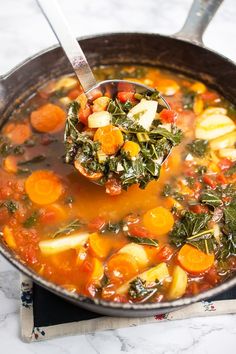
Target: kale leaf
[{"x": 198, "y": 147}]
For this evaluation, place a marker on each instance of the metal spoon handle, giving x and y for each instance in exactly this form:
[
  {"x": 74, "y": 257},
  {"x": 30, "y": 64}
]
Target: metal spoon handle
[{"x": 71, "y": 47}]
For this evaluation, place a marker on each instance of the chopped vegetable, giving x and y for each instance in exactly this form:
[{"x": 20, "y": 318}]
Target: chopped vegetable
[
  {"x": 144, "y": 113},
  {"x": 213, "y": 123},
  {"x": 43, "y": 187},
  {"x": 158, "y": 221},
  {"x": 99, "y": 245},
  {"x": 110, "y": 138},
  {"x": 100, "y": 104},
  {"x": 179, "y": 283},
  {"x": 168, "y": 87},
  {"x": 18, "y": 133},
  {"x": 9, "y": 237},
  {"x": 99, "y": 119},
  {"x": 225, "y": 141},
  {"x": 48, "y": 118},
  {"x": 136, "y": 251},
  {"x": 61, "y": 244},
  {"x": 193, "y": 260},
  {"x": 131, "y": 148},
  {"x": 152, "y": 275},
  {"x": 121, "y": 267}
]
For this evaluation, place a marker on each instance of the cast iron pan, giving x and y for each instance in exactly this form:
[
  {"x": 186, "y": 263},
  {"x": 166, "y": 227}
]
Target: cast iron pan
[{"x": 183, "y": 52}]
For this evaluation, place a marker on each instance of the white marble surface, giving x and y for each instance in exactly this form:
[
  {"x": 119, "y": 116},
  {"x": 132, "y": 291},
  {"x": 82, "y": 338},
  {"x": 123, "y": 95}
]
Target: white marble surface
[{"x": 23, "y": 31}]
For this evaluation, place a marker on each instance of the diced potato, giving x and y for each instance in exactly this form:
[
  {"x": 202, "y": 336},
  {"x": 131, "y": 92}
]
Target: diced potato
[
  {"x": 179, "y": 283},
  {"x": 223, "y": 142},
  {"x": 66, "y": 82},
  {"x": 168, "y": 87},
  {"x": 144, "y": 113},
  {"x": 210, "y": 111},
  {"x": 198, "y": 87},
  {"x": 62, "y": 244},
  {"x": 100, "y": 104},
  {"x": 9, "y": 237},
  {"x": 198, "y": 105},
  {"x": 228, "y": 153},
  {"x": 159, "y": 272},
  {"x": 136, "y": 251},
  {"x": 213, "y": 123},
  {"x": 65, "y": 101},
  {"x": 99, "y": 119}
]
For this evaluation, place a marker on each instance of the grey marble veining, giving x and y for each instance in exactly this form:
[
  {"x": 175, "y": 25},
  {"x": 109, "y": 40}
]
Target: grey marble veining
[{"x": 23, "y": 32}]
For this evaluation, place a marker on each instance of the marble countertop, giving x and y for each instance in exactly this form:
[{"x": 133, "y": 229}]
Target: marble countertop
[{"x": 23, "y": 32}]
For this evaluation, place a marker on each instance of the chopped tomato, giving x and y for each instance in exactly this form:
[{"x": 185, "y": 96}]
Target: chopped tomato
[
  {"x": 168, "y": 116},
  {"x": 199, "y": 209},
  {"x": 96, "y": 224},
  {"x": 211, "y": 276},
  {"x": 164, "y": 254},
  {"x": 138, "y": 231},
  {"x": 209, "y": 181},
  {"x": 113, "y": 187},
  {"x": 124, "y": 86},
  {"x": 225, "y": 164},
  {"x": 209, "y": 96},
  {"x": 84, "y": 113},
  {"x": 125, "y": 96},
  {"x": 221, "y": 179}
]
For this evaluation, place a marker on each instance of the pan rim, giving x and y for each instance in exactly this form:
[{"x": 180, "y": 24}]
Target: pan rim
[{"x": 81, "y": 299}]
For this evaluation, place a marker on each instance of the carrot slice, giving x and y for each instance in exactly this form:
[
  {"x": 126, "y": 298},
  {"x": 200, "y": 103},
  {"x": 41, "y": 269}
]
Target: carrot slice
[
  {"x": 100, "y": 246},
  {"x": 90, "y": 175},
  {"x": 110, "y": 138},
  {"x": 193, "y": 260},
  {"x": 158, "y": 221},
  {"x": 131, "y": 148},
  {"x": 121, "y": 267},
  {"x": 48, "y": 118},
  {"x": 18, "y": 133},
  {"x": 43, "y": 187}
]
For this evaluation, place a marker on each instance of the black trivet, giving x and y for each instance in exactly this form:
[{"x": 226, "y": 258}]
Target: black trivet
[{"x": 56, "y": 310}]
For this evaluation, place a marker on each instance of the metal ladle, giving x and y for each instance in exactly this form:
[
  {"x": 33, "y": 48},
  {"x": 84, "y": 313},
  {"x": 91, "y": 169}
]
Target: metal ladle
[{"x": 74, "y": 53}]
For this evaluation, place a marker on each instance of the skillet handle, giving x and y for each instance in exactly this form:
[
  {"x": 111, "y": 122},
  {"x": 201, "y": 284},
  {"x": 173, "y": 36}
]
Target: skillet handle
[{"x": 199, "y": 17}]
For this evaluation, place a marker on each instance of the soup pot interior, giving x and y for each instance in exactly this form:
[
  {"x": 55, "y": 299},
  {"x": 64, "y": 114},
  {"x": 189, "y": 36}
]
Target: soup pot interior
[{"x": 126, "y": 48}]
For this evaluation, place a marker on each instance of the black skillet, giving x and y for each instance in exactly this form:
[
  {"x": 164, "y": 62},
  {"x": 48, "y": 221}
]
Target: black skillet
[{"x": 183, "y": 52}]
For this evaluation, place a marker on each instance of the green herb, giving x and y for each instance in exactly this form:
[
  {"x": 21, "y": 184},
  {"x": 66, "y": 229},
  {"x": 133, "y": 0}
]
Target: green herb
[
  {"x": 35, "y": 159},
  {"x": 211, "y": 198},
  {"x": 5, "y": 149},
  {"x": 68, "y": 229},
  {"x": 143, "y": 241},
  {"x": 31, "y": 221},
  {"x": 69, "y": 199},
  {"x": 11, "y": 206},
  {"x": 192, "y": 228},
  {"x": 230, "y": 216},
  {"x": 201, "y": 170},
  {"x": 198, "y": 147},
  {"x": 175, "y": 136},
  {"x": 113, "y": 228},
  {"x": 188, "y": 99},
  {"x": 168, "y": 191},
  {"x": 139, "y": 291}
]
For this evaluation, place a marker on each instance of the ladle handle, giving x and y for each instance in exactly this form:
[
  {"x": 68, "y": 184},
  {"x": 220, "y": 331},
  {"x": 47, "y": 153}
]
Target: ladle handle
[
  {"x": 71, "y": 47},
  {"x": 199, "y": 17}
]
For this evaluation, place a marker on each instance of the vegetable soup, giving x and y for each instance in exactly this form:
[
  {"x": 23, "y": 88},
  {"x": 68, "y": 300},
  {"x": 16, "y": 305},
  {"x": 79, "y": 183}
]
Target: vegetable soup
[{"x": 173, "y": 237}]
